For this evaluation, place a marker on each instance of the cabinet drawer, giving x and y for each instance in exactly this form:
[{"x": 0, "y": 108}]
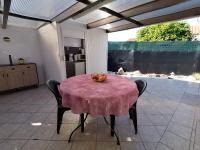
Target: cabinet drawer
[
  {"x": 31, "y": 66},
  {"x": 17, "y": 76},
  {"x": 4, "y": 68}
]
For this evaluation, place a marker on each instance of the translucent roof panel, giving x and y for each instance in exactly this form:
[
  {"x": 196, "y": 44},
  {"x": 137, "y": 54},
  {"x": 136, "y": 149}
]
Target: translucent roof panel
[
  {"x": 169, "y": 10},
  {"x": 93, "y": 16},
  {"x": 118, "y": 6},
  {"x": 121, "y": 5},
  {"x": 115, "y": 24},
  {"x": 23, "y": 22},
  {"x": 45, "y": 9}
]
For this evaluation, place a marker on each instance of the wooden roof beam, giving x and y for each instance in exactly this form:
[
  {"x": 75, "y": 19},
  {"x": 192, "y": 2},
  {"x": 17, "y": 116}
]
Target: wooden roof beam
[
  {"x": 141, "y": 9},
  {"x": 6, "y": 9},
  {"x": 80, "y": 9},
  {"x": 165, "y": 18},
  {"x": 27, "y": 17},
  {"x": 64, "y": 15},
  {"x": 91, "y": 7},
  {"x": 113, "y": 13}
]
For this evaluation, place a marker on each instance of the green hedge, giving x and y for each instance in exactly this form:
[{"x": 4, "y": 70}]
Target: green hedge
[{"x": 155, "y": 46}]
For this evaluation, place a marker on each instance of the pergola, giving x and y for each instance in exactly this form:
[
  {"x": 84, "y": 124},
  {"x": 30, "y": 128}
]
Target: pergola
[{"x": 111, "y": 15}]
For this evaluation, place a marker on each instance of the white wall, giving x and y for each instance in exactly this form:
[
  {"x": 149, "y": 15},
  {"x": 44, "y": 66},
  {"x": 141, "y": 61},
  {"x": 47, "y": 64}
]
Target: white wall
[
  {"x": 24, "y": 43},
  {"x": 72, "y": 42},
  {"x": 52, "y": 39},
  {"x": 73, "y": 29},
  {"x": 96, "y": 51},
  {"x": 48, "y": 36},
  {"x": 96, "y": 44}
]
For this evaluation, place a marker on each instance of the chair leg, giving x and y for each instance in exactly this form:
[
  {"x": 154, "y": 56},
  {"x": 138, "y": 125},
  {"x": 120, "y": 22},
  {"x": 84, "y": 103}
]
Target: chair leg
[
  {"x": 82, "y": 122},
  {"x": 112, "y": 124},
  {"x": 133, "y": 116},
  {"x": 60, "y": 113},
  {"x": 130, "y": 113}
]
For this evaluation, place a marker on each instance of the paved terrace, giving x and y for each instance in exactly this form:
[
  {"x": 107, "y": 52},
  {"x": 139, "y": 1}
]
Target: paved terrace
[{"x": 168, "y": 118}]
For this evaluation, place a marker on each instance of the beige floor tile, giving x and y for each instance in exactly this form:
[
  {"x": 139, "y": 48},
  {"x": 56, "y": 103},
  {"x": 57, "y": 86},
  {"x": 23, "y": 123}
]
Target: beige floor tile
[
  {"x": 149, "y": 134},
  {"x": 132, "y": 146},
  {"x": 83, "y": 145},
  {"x": 89, "y": 134},
  {"x": 47, "y": 109},
  {"x": 32, "y": 108},
  {"x": 174, "y": 142},
  {"x": 161, "y": 129},
  {"x": 161, "y": 146},
  {"x": 51, "y": 118},
  {"x": 59, "y": 145},
  {"x": 65, "y": 131},
  {"x": 107, "y": 146},
  {"x": 35, "y": 145},
  {"x": 20, "y": 118},
  {"x": 123, "y": 120},
  {"x": 12, "y": 144},
  {"x": 127, "y": 133},
  {"x": 143, "y": 119},
  {"x": 150, "y": 145},
  {"x": 5, "y": 108},
  {"x": 7, "y": 129},
  {"x": 44, "y": 132},
  {"x": 25, "y": 131},
  {"x": 103, "y": 133},
  {"x": 37, "y": 118},
  {"x": 6, "y": 117},
  {"x": 158, "y": 120},
  {"x": 70, "y": 117},
  {"x": 18, "y": 108},
  {"x": 90, "y": 119},
  {"x": 180, "y": 130},
  {"x": 196, "y": 146}
]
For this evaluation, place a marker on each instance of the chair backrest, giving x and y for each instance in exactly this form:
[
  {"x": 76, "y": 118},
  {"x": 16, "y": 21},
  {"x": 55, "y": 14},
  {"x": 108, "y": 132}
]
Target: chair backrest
[
  {"x": 53, "y": 87},
  {"x": 141, "y": 85}
]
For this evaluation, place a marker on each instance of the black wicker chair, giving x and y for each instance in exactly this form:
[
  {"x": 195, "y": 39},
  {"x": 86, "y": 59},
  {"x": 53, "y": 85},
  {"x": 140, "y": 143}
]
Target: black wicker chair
[
  {"x": 141, "y": 85},
  {"x": 53, "y": 87}
]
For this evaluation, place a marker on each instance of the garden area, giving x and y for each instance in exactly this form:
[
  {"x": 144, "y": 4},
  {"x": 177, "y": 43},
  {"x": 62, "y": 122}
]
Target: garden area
[{"x": 166, "y": 51}]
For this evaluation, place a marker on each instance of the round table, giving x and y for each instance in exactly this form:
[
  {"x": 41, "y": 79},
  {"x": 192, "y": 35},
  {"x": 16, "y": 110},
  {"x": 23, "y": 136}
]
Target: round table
[{"x": 112, "y": 97}]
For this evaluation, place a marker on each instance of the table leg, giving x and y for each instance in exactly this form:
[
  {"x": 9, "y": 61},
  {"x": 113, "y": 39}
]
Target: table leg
[
  {"x": 82, "y": 122},
  {"x": 80, "y": 125},
  {"x": 112, "y": 124}
]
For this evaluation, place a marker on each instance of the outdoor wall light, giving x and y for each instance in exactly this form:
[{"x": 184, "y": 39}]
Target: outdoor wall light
[{"x": 6, "y": 39}]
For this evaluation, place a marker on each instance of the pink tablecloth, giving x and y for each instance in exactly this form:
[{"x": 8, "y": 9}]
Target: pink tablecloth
[{"x": 112, "y": 97}]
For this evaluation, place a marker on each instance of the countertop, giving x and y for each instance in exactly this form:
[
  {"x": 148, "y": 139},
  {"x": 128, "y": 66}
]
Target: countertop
[{"x": 2, "y": 65}]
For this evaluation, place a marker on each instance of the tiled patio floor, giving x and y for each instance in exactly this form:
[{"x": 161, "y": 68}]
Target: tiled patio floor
[{"x": 168, "y": 118}]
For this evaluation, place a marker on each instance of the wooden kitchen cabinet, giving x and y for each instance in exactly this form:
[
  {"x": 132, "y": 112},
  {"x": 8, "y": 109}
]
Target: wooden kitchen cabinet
[
  {"x": 3, "y": 81},
  {"x": 18, "y": 76},
  {"x": 14, "y": 79}
]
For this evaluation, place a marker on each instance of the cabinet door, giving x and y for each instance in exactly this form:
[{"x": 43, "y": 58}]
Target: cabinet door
[
  {"x": 3, "y": 81},
  {"x": 15, "y": 79},
  {"x": 80, "y": 68},
  {"x": 30, "y": 75},
  {"x": 70, "y": 69}
]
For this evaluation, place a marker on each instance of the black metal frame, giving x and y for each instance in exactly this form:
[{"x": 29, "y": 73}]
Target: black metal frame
[
  {"x": 82, "y": 121},
  {"x": 53, "y": 87},
  {"x": 6, "y": 9},
  {"x": 133, "y": 116},
  {"x": 141, "y": 85},
  {"x": 112, "y": 127},
  {"x": 113, "y": 13}
]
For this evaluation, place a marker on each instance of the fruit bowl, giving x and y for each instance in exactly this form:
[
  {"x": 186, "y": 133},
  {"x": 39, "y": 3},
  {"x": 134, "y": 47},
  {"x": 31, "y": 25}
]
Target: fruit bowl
[{"x": 99, "y": 77}]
